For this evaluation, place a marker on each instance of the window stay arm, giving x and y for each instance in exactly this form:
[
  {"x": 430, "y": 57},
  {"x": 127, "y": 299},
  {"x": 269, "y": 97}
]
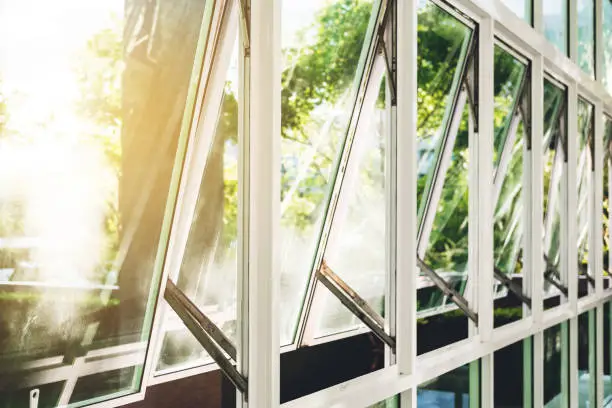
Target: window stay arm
[
  {"x": 207, "y": 334},
  {"x": 452, "y": 294},
  {"x": 512, "y": 287},
  {"x": 354, "y": 303}
]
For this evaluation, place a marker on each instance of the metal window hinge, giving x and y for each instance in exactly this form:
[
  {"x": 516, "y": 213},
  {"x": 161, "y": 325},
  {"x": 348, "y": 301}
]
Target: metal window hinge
[
  {"x": 512, "y": 287},
  {"x": 245, "y": 21},
  {"x": 354, "y": 303},
  {"x": 390, "y": 72},
  {"x": 452, "y": 294},
  {"x": 208, "y": 335}
]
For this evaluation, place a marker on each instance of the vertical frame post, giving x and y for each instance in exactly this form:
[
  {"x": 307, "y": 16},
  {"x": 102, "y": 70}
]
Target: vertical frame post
[
  {"x": 597, "y": 194},
  {"x": 264, "y": 154},
  {"x": 572, "y": 16},
  {"x": 599, "y": 42},
  {"x": 481, "y": 188},
  {"x": 406, "y": 282},
  {"x": 570, "y": 247},
  {"x": 538, "y": 21}
]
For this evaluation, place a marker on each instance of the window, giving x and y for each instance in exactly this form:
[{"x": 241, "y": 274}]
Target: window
[
  {"x": 323, "y": 66},
  {"x": 554, "y": 177},
  {"x": 445, "y": 46},
  {"x": 606, "y": 199},
  {"x": 521, "y": 8},
  {"x": 556, "y": 366},
  {"x": 555, "y": 17},
  {"x": 509, "y": 149},
  {"x": 587, "y": 373},
  {"x": 585, "y": 169},
  {"x": 87, "y": 155},
  {"x": 586, "y": 36},
  {"x": 606, "y": 75},
  {"x": 513, "y": 375},
  {"x": 457, "y": 388}
]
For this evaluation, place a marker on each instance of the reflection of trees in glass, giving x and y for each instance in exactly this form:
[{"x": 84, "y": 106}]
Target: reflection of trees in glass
[
  {"x": 584, "y": 176},
  {"x": 509, "y": 148}
]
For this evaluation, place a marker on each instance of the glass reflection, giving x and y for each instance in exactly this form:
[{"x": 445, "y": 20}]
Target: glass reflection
[
  {"x": 606, "y": 75},
  {"x": 208, "y": 270},
  {"x": 586, "y": 36},
  {"x": 521, "y": 8},
  {"x": 457, "y": 388},
  {"x": 585, "y": 171},
  {"x": 86, "y": 157},
  {"x": 607, "y": 353},
  {"x": 556, "y": 23},
  {"x": 356, "y": 249},
  {"x": 556, "y": 363},
  {"x": 509, "y": 148},
  {"x": 554, "y": 174},
  {"x": 324, "y": 50},
  {"x": 586, "y": 359},
  {"x": 513, "y": 375},
  {"x": 442, "y": 152}
]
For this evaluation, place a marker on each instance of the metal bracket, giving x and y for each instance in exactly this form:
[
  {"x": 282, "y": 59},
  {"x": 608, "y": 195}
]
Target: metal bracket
[
  {"x": 245, "y": 21},
  {"x": 550, "y": 275},
  {"x": 390, "y": 73},
  {"x": 452, "y": 294},
  {"x": 207, "y": 333},
  {"x": 353, "y": 302},
  {"x": 512, "y": 287}
]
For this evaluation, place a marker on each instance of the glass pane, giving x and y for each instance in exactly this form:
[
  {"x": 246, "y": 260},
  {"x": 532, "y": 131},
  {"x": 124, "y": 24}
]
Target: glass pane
[
  {"x": 356, "y": 249},
  {"x": 556, "y": 23},
  {"x": 324, "y": 48},
  {"x": 606, "y": 75},
  {"x": 86, "y": 157},
  {"x": 607, "y": 354},
  {"x": 513, "y": 375},
  {"x": 447, "y": 254},
  {"x": 554, "y": 163},
  {"x": 509, "y": 147},
  {"x": 208, "y": 270},
  {"x": 585, "y": 175},
  {"x": 556, "y": 363},
  {"x": 443, "y": 43},
  {"x": 393, "y": 402},
  {"x": 586, "y": 359},
  {"x": 521, "y": 8},
  {"x": 586, "y": 36},
  {"x": 457, "y": 388}
]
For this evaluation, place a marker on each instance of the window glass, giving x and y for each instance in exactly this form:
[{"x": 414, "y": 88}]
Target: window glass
[
  {"x": 607, "y": 353},
  {"x": 388, "y": 403},
  {"x": 457, "y": 388},
  {"x": 208, "y": 271},
  {"x": 86, "y": 157},
  {"x": 586, "y": 36},
  {"x": 586, "y": 359},
  {"x": 356, "y": 249},
  {"x": 606, "y": 75},
  {"x": 442, "y": 195},
  {"x": 554, "y": 174},
  {"x": 556, "y": 23},
  {"x": 521, "y": 8},
  {"x": 556, "y": 363},
  {"x": 513, "y": 375},
  {"x": 509, "y": 147},
  {"x": 324, "y": 49},
  {"x": 585, "y": 171}
]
